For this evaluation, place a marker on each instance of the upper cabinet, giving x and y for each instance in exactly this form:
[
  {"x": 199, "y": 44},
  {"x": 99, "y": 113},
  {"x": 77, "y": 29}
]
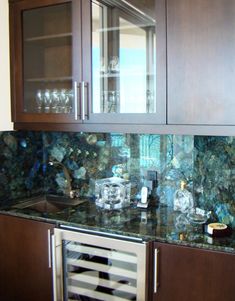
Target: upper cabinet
[
  {"x": 201, "y": 62},
  {"x": 152, "y": 66},
  {"x": 88, "y": 63},
  {"x": 5, "y": 103},
  {"x": 43, "y": 79}
]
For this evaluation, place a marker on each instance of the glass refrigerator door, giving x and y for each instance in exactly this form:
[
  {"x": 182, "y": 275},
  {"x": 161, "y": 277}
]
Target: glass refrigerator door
[{"x": 100, "y": 268}]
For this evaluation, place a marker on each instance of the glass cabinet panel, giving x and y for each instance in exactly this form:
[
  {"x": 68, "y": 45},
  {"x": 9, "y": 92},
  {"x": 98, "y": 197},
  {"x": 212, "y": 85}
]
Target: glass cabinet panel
[
  {"x": 90, "y": 267},
  {"x": 123, "y": 57},
  {"x": 96, "y": 273},
  {"x": 47, "y": 59}
]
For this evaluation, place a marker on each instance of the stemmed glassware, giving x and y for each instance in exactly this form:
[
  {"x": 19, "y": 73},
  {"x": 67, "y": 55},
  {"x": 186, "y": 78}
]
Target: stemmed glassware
[
  {"x": 47, "y": 101},
  {"x": 39, "y": 100},
  {"x": 69, "y": 101},
  {"x": 114, "y": 64},
  {"x": 54, "y": 101}
]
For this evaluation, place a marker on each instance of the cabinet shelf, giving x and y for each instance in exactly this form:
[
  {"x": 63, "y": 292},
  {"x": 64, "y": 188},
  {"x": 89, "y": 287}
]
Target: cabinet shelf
[
  {"x": 127, "y": 74},
  {"x": 49, "y": 37},
  {"x": 50, "y": 40},
  {"x": 49, "y": 79}
]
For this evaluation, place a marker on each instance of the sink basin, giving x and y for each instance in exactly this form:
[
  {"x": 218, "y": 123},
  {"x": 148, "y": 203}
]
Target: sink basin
[{"x": 49, "y": 203}]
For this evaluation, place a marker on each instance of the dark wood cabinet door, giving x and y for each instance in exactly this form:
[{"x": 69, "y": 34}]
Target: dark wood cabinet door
[
  {"x": 201, "y": 62},
  {"x": 185, "y": 273},
  {"x": 25, "y": 274},
  {"x": 45, "y": 71},
  {"x": 88, "y": 65},
  {"x": 126, "y": 73}
]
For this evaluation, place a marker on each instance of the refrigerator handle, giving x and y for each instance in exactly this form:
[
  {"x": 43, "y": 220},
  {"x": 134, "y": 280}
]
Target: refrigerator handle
[
  {"x": 49, "y": 248},
  {"x": 156, "y": 280},
  {"x": 53, "y": 267}
]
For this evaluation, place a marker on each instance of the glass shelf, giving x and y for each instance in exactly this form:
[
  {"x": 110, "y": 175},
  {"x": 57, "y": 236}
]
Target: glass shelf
[
  {"x": 49, "y": 79},
  {"x": 48, "y": 37}
]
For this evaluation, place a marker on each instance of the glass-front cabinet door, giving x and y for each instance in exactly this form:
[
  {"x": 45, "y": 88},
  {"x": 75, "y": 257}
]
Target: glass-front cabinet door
[
  {"x": 127, "y": 79},
  {"x": 89, "y": 267},
  {"x": 47, "y": 83},
  {"x": 81, "y": 61}
]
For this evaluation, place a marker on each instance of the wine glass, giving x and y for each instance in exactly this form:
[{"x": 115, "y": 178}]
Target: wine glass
[
  {"x": 114, "y": 64},
  {"x": 47, "y": 101},
  {"x": 69, "y": 101},
  {"x": 39, "y": 100},
  {"x": 55, "y": 101},
  {"x": 63, "y": 100}
]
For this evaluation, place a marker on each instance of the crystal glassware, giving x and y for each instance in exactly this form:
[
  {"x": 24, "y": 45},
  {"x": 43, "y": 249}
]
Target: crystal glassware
[
  {"x": 183, "y": 199},
  {"x": 63, "y": 100},
  {"x": 198, "y": 216},
  {"x": 55, "y": 101},
  {"x": 112, "y": 193},
  {"x": 39, "y": 101},
  {"x": 47, "y": 101},
  {"x": 69, "y": 101},
  {"x": 114, "y": 64}
]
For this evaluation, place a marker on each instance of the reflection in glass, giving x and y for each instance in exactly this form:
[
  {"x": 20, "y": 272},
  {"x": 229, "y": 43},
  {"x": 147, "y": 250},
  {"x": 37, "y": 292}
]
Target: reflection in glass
[
  {"x": 47, "y": 58},
  {"x": 39, "y": 101},
  {"x": 123, "y": 58},
  {"x": 97, "y": 273}
]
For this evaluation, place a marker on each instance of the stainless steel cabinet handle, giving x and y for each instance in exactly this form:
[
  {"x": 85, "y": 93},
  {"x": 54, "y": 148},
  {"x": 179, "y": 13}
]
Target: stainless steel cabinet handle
[
  {"x": 156, "y": 284},
  {"x": 75, "y": 88},
  {"x": 87, "y": 101},
  {"x": 49, "y": 247},
  {"x": 53, "y": 267},
  {"x": 83, "y": 100}
]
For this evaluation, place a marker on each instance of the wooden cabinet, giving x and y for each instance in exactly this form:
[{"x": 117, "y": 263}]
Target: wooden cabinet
[
  {"x": 24, "y": 260},
  {"x": 5, "y": 104},
  {"x": 201, "y": 62},
  {"x": 88, "y": 65},
  {"x": 151, "y": 66},
  {"x": 41, "y": 60},
  {"x": 185, "y": 273}
]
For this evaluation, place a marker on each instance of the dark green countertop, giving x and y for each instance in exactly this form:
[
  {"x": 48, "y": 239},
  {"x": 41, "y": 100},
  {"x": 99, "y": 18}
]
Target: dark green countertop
[{"x": 155, "y": 223}]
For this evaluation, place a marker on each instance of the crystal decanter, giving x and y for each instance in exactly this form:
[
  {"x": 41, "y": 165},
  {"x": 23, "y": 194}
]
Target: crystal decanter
[{"x": 183, "y": 199}]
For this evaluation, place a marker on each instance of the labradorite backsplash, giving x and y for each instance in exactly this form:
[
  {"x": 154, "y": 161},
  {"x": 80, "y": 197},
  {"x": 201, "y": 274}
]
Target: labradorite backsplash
[{"x": 207, "y": 164}]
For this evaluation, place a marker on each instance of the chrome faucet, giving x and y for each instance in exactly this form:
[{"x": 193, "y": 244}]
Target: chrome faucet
[{"x": 68, "y": 190}]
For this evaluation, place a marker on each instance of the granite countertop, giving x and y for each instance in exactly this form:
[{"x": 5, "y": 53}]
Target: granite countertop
[{"x": 159, "y": 223}]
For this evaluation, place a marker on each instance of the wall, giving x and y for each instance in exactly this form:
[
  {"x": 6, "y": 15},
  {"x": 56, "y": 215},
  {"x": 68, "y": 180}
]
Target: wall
[
  {"x": 5, "y": 114},
  {"x": 207, "y": 164}
]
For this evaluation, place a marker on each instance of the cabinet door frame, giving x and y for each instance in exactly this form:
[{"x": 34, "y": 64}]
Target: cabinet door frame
[
  {"x": 17, "y": 81},
  {"x": 25, "y": 263},
  {"x": 128, "y": 118},
  {"x": 82, "y": 64},
  {"x": 201, "y": 62},
  {"x": 189, "y": 273}
]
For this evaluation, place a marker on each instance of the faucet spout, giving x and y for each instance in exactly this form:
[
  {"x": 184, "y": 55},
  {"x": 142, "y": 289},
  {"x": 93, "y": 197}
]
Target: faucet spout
[{"x": 68, "y": 190}]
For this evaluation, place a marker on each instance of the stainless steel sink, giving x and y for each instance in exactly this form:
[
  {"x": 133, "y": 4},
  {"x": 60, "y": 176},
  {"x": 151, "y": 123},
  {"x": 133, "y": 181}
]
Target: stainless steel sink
[{"x": 48, "y": 203}]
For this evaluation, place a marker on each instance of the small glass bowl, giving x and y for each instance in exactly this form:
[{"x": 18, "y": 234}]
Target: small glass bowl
[{"x": 198, "y": 216}]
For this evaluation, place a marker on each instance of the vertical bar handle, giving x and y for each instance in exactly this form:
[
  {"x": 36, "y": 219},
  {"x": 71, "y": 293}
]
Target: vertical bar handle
[
  {"x": 54, "y": 267},
  {"x": 75, "y": 91},
  {"x": 49, "y": 247},
  {"x": 156, "y": 252},
  {"x": 83, "y": 100},
  {"x": 87, "y": 100}
]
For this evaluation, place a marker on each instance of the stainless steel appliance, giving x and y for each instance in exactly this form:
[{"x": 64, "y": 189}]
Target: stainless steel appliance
[{"x": 89, "y": 266}]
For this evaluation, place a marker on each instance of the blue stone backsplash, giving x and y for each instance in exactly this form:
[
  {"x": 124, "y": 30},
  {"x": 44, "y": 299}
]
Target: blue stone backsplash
[
  {"x": 21, "y": 173},
  {"x": 207, "y": 164}
]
